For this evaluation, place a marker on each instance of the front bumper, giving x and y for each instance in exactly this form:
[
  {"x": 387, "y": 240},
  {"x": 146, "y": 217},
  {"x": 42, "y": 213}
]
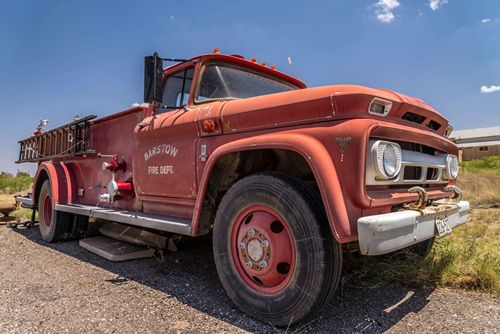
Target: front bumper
[{"x": 385, "y": 233}]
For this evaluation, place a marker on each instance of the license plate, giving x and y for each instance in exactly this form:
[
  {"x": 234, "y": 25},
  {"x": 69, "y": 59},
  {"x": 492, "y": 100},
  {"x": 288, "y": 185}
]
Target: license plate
[{"x": 443, "y": 225}]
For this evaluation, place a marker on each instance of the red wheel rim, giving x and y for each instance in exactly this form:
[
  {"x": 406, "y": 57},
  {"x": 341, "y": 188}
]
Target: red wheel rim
[
  {"x": 262, "y": 249},
  {"x": 47, "y": 210}
]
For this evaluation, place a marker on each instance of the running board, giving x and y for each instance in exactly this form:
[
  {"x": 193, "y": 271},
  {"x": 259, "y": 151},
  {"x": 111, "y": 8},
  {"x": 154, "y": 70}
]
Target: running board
[{"x": 156, "y": 222}]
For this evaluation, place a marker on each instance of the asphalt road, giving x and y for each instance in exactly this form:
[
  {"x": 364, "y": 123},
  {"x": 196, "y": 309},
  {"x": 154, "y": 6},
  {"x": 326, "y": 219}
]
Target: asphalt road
[{"x": 58, "y": 288}]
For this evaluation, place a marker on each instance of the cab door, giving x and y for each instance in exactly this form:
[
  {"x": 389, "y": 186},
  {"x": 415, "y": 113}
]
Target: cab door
[{"x": 164, "y": 161}]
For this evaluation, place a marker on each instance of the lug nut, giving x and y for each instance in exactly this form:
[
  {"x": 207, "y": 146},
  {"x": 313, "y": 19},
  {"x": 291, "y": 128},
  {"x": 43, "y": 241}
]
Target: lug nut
[
  {"x": 265, "y": 243},
  {"x": 263, "y": 264},
  {"x": 249, "y": 264},
  {"x": 242, "y": 245},
  {"x": 251, "y": 232}
]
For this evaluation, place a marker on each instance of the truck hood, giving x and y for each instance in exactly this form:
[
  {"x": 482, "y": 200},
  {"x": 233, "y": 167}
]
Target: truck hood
[{"x": 323, "y": 104}]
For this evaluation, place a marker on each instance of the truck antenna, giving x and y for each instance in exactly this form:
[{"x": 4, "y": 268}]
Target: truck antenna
[{"x": 289, "y": 57}]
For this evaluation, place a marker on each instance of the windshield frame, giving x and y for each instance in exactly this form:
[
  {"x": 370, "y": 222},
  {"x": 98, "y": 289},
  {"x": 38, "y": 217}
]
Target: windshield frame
[{"x": 239, "y": 67}]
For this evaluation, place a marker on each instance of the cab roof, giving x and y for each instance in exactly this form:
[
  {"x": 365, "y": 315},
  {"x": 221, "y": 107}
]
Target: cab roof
[{"x": 242, "y": 61}]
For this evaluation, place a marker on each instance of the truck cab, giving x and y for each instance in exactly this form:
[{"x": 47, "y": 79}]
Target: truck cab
[{"x": 282, "y": 176}]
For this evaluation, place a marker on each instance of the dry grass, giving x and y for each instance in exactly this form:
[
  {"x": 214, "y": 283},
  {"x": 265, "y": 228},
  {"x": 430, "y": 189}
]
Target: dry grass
[
  {"x": 481, "y": 189},
  {"x": 21, "y": 213},
  {"x": 468, "y": 259}
]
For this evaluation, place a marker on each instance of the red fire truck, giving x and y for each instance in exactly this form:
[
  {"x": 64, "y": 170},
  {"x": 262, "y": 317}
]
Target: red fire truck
[{"x": 282, "y": 176}]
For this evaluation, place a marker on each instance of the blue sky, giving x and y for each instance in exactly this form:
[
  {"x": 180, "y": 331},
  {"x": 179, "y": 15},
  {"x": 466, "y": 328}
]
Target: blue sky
[{"x": 61, "y": 58}]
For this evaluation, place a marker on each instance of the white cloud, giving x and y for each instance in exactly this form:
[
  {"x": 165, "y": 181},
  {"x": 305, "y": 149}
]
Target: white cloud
[
  {"x": 384, "y": 10},
  {"x": 491, "y": 89},
  {"x": 485, "y": 20},
  {"x": 436, "y": 4},
  {"x": 387, "y": 17}
]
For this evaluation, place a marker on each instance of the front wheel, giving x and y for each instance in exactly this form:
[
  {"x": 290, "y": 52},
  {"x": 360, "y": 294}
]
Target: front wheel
[{"x": 273, "y": 249}]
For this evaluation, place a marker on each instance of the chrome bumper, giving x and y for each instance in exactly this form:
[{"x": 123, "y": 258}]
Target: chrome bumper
[
  {"x": 385, "y": 233},
  {"x": 25, "y": 201}
]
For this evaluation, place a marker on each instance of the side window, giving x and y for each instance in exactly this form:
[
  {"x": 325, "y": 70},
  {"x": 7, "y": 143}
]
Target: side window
[{"x": 176, "y": 90}]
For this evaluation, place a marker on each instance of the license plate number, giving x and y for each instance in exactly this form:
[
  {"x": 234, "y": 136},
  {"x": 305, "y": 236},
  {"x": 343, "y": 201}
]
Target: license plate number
[{"x": 443, "y": 225}]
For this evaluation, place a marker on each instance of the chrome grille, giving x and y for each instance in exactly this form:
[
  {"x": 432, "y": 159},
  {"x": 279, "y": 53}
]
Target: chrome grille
[{"x": 416, "y": 168}]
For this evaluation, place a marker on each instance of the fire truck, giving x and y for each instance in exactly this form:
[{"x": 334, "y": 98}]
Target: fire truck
[{"x": 282, "y": 176}]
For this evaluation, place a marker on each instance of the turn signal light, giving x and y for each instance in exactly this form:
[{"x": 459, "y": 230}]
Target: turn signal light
[{"x": 208, "y": 126}]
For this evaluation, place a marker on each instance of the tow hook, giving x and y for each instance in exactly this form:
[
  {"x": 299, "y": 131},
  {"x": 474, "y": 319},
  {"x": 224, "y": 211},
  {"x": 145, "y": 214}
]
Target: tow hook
[
  {"x": 457, "y": 193},
  {"x": 422, "y": 199}
]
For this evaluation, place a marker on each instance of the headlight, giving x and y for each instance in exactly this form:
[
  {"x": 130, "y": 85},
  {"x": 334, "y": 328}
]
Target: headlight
[
  {"x": 451, "y": 167},
  {"x": 387, "y": 157}
]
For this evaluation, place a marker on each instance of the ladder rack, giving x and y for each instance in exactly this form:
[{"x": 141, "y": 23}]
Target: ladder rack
[{"x": 69, "y": 140}]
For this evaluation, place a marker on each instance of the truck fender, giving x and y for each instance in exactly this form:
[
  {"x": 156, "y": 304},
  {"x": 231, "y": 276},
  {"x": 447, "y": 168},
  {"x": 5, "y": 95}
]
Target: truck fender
[
  {"x": 318, "y": 159},
  {"x": 62, "y": 182}
]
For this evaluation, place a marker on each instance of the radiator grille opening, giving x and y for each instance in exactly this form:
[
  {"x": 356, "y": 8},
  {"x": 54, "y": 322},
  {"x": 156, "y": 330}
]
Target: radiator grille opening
[
  {"x": 416, "y": 147},
  {"x": 432, "y": 174},
  {"x": 412, "y": 173},
  {"x": 434, "y": 125},
  {"x": 416, "y": 118}
]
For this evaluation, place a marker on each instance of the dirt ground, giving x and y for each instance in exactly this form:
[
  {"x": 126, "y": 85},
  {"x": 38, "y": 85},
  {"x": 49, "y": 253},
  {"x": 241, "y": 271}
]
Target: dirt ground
[{"x": 57, "y": 288}]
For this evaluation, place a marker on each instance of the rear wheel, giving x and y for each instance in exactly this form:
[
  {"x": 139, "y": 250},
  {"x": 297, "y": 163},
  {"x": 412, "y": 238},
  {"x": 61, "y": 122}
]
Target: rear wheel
[
  {"x": 55, "y": 226},
  {"x": 273, "y": 249}
]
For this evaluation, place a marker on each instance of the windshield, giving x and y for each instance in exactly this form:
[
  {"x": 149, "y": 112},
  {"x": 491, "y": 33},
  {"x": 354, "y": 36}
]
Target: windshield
[{"x": 228, "y": 82}]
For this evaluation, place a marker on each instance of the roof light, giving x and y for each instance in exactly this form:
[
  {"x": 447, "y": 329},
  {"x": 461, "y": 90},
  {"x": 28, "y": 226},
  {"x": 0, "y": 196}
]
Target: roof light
[
  {"x": 263, "y": 63},
  {"x": 216, "y": 51},
  {"x": 253, "y": 60},
  {"x": 272, "y": 67}
]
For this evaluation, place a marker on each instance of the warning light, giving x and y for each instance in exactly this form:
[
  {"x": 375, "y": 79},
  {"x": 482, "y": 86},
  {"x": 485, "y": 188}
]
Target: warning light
[
  {"x": 216, "y": 51},
  {"x": 253, "y": 60},
  {"x": 263, "y": 63},
  {"x": 273, "y": 67}
]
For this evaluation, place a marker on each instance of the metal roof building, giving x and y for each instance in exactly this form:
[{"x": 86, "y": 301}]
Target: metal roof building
[{"x": 477, "y": 143}]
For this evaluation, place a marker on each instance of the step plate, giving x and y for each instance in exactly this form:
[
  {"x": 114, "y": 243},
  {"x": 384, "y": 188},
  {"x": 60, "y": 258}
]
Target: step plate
[
  {"x": 114, "y": 250},
  {"x": 156, "y": 222}
]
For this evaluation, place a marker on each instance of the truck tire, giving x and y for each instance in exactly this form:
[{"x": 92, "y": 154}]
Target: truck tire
[
  {"x": 54, "y": 226},
  {"x": 273, "y": 249}
]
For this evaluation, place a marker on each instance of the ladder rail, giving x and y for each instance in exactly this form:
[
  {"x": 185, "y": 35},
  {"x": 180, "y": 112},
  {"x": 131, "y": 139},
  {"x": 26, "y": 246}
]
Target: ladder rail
[{"x": 72, "y": 139}]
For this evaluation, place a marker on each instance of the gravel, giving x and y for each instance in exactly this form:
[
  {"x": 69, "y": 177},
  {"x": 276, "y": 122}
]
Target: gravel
[{"x": 58, "y": 288}]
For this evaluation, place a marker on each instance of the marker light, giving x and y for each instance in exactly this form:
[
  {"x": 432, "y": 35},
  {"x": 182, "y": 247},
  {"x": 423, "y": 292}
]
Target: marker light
[{"x": 216, "y": 51}]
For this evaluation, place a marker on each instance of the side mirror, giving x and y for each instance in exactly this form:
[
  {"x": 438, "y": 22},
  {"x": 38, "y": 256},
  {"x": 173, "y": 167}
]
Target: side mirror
[{"x": 153, "y": 74}]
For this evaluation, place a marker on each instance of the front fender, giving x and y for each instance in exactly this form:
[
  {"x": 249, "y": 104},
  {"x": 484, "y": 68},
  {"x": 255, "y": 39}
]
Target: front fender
[{"x": 318, "y": 159}]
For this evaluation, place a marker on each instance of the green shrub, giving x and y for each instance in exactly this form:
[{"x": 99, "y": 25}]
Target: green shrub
[
  {"x": 482, "y": 165},
  {"x": 10, "y": 184}
]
